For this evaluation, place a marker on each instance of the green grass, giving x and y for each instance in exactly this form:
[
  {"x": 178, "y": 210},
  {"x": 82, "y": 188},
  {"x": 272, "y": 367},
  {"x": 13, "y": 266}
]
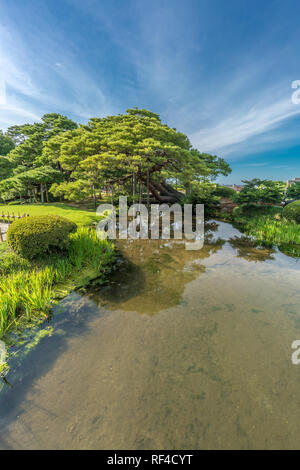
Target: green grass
[
  {"x": 28, "y": 289},
  {"x": 270, "y": 230},
  {"x": 24, "y": 294},
  {"x": 79, "y": 216},
  {"x": 269, "y": 226}
]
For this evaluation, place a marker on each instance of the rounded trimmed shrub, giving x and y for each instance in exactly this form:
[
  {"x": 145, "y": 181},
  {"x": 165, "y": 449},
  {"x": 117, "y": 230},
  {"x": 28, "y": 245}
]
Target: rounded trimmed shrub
[
  {"x": 224, "y": 191},
  {"x": 254, "y": 210},
  {"x": 34, "y": 236},
  {"x": 292, "y": 211}
]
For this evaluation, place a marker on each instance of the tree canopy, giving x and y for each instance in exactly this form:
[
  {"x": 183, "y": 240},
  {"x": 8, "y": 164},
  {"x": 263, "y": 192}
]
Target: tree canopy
[
  {"x": 127, "y": 153},
  {"x": 260, "y": 191},
  {"x": 132, "y": 148},
  {"x": 293, "y": 191},
  {"x": 22, "y": 170},
  {"x": 6, "y": 144}
]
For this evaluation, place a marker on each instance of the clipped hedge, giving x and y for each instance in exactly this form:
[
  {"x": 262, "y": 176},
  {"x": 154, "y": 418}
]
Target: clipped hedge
[
  {"x": 224, "y": 191},
  {"x": 255, "y": 210},
  {"x": 34, "y": 236},
  {"x": 292, "y": 211}
]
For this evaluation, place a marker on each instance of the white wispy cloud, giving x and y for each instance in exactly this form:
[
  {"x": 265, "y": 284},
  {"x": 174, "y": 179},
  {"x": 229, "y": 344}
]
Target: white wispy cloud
[
  {"x": 52, "y": 81},
  {"x": 240, "y": 111},
  {"x": 244, "y": 122}
]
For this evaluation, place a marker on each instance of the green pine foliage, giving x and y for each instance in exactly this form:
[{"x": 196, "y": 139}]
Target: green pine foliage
[{"x": 292, "y": 211}]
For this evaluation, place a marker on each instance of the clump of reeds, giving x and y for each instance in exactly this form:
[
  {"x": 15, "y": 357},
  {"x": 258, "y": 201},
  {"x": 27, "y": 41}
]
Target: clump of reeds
[{"x": 26, "y": 288}]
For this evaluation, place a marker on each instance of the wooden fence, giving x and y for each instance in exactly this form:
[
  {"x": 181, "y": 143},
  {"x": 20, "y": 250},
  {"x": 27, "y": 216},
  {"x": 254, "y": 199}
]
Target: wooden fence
[{"x": 9, "y": 218}]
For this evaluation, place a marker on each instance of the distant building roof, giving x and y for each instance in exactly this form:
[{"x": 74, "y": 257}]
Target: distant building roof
[
  {"x": 236, "y": 187},
  {"x": 293, "y": 181}
]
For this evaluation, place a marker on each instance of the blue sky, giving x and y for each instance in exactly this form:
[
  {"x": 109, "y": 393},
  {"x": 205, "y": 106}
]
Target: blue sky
[{"x": 220, "y": 71}]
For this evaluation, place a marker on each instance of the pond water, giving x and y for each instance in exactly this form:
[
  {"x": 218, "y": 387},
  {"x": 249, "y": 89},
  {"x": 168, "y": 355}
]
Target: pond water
[{"x": 183, "y": 350}]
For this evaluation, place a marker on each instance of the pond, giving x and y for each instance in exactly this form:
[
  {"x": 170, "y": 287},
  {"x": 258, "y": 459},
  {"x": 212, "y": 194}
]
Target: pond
[{"x": 183, "y": 350}]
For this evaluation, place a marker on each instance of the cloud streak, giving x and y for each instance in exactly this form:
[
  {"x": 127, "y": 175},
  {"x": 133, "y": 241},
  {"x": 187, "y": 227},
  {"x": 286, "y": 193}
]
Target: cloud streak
[
  {"x": 232, "y": 133},
  {"x": 228, "y": 96},
  {"x": 50, "y": 82}
]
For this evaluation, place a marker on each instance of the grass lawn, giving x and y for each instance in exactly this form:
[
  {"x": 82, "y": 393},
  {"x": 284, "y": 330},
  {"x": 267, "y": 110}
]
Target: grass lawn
[
  {"x": 28, "y": 288},
  {"x": 269, "y": 226},
  {"x": 3, "y": 248},
  {"x": 79, "y": 216}
]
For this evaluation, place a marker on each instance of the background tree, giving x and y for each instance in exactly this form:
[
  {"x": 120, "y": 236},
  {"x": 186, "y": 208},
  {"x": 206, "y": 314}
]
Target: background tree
[
  {"x": 134, "y": 150},
  {"x": 31, "y": 138},
  {"x": 293, "y": 191},
  {"x": 31, "y": 183},
  {"x": 128, "y": 154},
  {"x": 260, "y": 192},
  {"x": 6, "y": 168},
  {"x": 6, "y": 144},
  {"x": 24, "y": 171}
]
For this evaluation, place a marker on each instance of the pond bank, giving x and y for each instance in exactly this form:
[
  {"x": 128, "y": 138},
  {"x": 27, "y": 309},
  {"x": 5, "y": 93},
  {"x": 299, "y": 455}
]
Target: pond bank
[{"x": 30, "y": 288}]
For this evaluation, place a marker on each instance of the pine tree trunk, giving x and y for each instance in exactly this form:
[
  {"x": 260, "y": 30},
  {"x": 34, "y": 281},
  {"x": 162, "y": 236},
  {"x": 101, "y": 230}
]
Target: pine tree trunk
[
  {"x": 141, "y": 193},
  {"x": 95, "y": 197},
  {"x": 187, "y": 189},
  {"x": 148, "y": 195},
  {"x": 112, "y": 194}
]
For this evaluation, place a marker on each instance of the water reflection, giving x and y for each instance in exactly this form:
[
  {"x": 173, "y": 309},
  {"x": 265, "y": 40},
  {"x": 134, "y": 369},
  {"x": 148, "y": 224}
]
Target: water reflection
[
  {"x": 206, "y": 366},
  {"x": 153, "y": 275},
  {"x": 249, "y": 250}
]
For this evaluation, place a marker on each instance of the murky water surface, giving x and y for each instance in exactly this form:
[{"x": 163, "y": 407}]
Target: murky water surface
[{"x": 184, "y": 350}]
